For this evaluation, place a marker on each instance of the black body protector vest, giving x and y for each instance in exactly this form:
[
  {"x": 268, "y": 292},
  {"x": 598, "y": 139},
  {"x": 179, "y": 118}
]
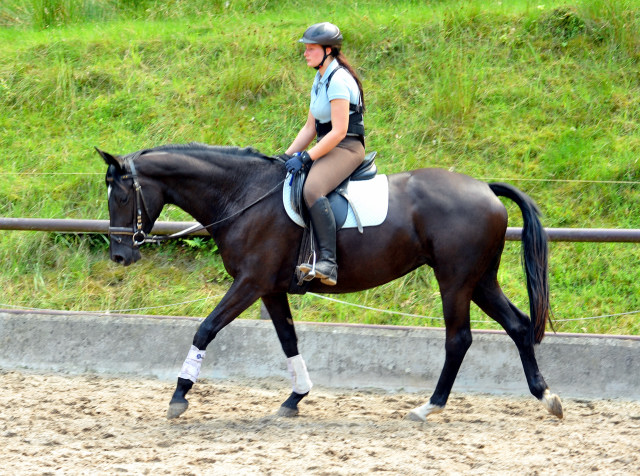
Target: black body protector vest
[{"x": 356, "y": 120}]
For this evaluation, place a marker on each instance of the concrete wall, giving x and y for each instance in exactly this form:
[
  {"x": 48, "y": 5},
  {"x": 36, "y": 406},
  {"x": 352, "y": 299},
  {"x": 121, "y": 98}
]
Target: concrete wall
[{"x": 390, "y": 358}]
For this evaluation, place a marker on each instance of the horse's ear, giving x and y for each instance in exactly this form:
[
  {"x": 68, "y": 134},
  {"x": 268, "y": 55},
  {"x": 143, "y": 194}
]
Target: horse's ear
[{"x": 109, "y": 159}]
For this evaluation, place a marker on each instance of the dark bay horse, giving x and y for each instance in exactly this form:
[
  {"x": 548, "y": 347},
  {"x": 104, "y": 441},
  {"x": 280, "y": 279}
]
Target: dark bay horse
[{"x": 451, "y": 222}]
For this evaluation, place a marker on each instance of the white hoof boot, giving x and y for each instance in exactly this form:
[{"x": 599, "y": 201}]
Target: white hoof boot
[
  {"x": 552, "y": 403},
  {"x": 421, "y": 413}
]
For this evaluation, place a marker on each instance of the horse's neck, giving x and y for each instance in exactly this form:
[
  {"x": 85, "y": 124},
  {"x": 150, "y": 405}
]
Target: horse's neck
[{"x": 206, "y": 190}]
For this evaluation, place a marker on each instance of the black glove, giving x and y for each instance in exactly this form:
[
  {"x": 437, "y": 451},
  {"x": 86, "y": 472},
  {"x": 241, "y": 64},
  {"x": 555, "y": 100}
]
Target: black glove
[{"x": 298, "y": 161}]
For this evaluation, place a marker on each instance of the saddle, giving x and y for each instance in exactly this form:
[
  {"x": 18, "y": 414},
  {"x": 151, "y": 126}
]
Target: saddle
[{"x": 339, "y": 198}]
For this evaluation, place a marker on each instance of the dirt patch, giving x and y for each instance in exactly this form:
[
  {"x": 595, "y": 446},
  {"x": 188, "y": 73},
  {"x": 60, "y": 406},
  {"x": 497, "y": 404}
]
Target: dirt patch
[{"x": 78, "y": 424}]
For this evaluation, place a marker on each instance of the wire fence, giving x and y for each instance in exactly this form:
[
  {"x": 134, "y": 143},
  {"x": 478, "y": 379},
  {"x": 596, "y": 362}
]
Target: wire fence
[
  {"x": 318, "y": 296},
  {"x": 485, "y": 179},
  {"x": 167, "y": 227}
]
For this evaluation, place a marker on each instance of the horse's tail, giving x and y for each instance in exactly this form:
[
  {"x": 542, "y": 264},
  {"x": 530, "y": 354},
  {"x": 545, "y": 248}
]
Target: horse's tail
[{"x": 535, "y": 255}]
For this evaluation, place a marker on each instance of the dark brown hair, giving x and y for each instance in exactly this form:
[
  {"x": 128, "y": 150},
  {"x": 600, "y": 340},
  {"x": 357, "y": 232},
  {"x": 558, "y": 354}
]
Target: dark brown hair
[{"x": 342, "y": 59}]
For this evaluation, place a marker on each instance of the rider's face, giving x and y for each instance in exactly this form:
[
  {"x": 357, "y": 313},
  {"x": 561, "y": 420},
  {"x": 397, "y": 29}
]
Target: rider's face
[{"x": 313, "y": 54}]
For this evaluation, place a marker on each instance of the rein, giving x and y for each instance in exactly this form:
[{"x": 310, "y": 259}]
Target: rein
[
  {"x": 191, "y": 229},
  {"x": 138, "y": 235}
]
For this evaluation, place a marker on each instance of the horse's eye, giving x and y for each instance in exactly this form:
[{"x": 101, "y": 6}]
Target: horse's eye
[
  {"x": 123, "y": 198},
  {"x": 119, "y": 194}
]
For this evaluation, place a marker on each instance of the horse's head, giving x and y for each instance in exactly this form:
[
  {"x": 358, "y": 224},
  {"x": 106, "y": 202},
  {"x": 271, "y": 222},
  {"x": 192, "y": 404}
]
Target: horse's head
[{"x": 129, "y": 219}]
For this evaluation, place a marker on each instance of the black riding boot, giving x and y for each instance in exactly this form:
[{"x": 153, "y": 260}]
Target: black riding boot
[{"x": 324, "y": 227}]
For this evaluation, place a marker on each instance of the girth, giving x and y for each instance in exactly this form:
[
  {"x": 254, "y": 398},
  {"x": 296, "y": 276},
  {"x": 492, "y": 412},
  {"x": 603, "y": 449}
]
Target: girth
[{"x": 339, "y": 198}]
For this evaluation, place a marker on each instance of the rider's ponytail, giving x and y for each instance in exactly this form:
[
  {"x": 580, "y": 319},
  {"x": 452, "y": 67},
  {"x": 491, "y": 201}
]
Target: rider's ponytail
[{"x": 337, "y": 54}]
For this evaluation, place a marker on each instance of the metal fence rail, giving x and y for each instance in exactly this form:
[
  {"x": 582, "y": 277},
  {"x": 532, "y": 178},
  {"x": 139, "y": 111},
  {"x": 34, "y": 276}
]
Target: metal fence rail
[
  {"x": 87, "y": 226},
  {"x": 602, "y": 235}
]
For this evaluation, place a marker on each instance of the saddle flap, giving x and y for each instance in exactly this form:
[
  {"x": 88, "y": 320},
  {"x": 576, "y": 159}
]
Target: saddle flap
[
  {"x": 339, "y": 198},
  {"x": 370, "y": 198}
]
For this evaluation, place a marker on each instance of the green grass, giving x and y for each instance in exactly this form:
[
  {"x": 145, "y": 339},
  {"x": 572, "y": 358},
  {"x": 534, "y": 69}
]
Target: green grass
[{"x": 547, "y": 98}]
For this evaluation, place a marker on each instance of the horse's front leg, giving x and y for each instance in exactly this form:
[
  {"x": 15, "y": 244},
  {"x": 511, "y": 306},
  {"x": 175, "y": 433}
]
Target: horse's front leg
[
  {"x": 239, "y": 297},
  {"x": 280, "y": 313}
]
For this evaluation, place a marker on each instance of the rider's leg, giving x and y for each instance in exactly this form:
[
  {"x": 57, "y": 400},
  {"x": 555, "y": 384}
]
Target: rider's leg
[
  {"x": 325, "y": 175},
  {"x": 324, "y": 228},
  {"x": 331, "y": 169}
]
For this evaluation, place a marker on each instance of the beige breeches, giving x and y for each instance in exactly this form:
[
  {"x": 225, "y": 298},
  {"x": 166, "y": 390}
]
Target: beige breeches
[{"x": 330, "y": 170}]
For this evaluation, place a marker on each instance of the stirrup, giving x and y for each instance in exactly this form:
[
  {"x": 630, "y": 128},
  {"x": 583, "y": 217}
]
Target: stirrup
[
  {"x": 308, "y": 270},
  {"x": 308, "y": 273}
]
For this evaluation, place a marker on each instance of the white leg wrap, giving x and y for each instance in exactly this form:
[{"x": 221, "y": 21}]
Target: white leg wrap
[
  {"x": 299, "y": 376},
  {"x": 191, "y": 367}
]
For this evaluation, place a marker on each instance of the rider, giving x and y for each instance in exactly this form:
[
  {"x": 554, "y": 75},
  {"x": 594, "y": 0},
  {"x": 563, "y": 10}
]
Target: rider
[{"x": 335, "y": 118}]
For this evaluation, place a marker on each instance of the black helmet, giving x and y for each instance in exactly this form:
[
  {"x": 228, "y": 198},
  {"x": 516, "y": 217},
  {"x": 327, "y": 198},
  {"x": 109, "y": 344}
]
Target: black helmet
[{"x": 325, "y": 34}]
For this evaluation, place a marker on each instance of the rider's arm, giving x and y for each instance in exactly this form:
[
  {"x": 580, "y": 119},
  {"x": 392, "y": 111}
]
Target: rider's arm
[
  {"x": 304, "y": 137},
  {"x": 339, "y": 125}
]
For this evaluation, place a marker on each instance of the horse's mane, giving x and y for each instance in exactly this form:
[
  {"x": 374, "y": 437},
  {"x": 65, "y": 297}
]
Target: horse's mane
[{"x": 199, "y": 150}]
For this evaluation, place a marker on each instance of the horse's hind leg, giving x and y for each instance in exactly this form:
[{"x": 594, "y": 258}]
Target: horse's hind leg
[
  {"x": 455, "y": 305},
  {"x": 489, "y": 296},
  {"x": 280, "y": 313}
]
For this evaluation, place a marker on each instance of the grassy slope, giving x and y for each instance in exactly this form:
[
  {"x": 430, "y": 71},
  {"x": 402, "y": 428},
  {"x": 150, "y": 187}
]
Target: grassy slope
[{"x": 510, "y": 92}]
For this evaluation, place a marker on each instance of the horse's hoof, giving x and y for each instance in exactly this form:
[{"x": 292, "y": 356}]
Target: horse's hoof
[
  {"x": 287, "y": 412},
  {"x": 414, "y": 416},
  {"x": 552, "y": 403},
  {"x": 176, "y": 409},
  {"x": 421, "y": 413}
]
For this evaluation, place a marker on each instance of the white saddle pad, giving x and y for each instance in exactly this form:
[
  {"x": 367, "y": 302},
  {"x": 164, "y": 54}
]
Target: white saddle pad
[{"x": 369, "y": 197}]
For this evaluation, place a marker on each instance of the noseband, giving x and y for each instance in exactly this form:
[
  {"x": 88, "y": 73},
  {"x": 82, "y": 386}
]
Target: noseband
[{"x": 136, "y": 232}]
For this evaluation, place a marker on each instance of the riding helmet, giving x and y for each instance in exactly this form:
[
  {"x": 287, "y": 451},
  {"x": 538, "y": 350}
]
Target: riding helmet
[{"x": 325, "y": 34}]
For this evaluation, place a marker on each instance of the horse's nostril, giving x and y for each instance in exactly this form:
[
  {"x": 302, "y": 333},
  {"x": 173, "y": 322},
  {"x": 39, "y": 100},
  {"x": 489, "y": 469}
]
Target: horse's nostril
[{"x": 118, "y": 259}]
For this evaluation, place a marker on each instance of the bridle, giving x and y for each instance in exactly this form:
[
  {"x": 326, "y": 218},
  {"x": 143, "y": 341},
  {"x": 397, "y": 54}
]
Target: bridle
[{"x": 136, "y": 232}]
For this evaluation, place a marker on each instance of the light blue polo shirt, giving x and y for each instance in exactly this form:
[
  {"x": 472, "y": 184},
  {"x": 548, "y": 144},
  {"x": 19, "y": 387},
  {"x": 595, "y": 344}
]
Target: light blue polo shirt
[{"x": 342, "y": 86}]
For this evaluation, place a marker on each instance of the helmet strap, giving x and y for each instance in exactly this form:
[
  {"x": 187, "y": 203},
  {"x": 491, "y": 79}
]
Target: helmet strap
[{"x": 324, "y": 58}]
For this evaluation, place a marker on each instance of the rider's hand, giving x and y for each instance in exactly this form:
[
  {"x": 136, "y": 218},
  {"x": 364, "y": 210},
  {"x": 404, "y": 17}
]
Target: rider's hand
[
  {"x": 298, "y": 161},
  {"x": 293, "y": 165}
]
